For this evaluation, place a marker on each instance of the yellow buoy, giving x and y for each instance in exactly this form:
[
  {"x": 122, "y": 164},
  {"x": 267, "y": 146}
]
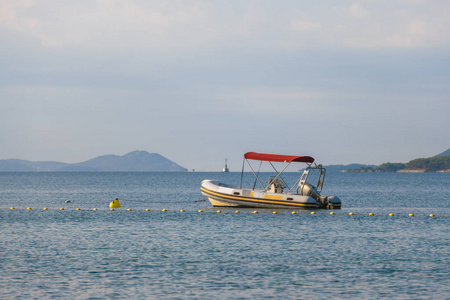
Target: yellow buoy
[
  {"x": 164, "y": 209},
  {"x": 218, "y": 211},
  {"x": 391, "y": 215},
  {"x": 12, "y": 207},
  {"x": 78, "y": 208},
  {"x": 62, "y": 208},
  {"x": 129, "y": 209},
  {"x": 371, "y": 214},
  {"x": 351, "y": 214},
  {"x": 255, "y": 212},
  {"x": 181, "y": 210},
  {"x": 95, "y": 209},
  {"x": 274, "y": 212},
  {"x": 294, "y": 212},
  {"x": 45, "y": 208},
  {"x": 115, "y": 203},
  {"x": 147, "y": 209},
  {"x": 313, "y": 213},
  {"x": 200, "y": 210},
  {"x": 28, "y": 207},
  {"x": 411, "y": 215},
  {"x": 111, "y": 209},
  {"x": 332, "y": 213},
  {"x": 237, "y": 212},
  {"x": 431, "y": 215}
]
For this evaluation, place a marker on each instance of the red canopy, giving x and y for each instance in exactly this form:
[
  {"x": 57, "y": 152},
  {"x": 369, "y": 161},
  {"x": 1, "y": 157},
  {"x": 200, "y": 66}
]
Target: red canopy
[{"x": 277, "y": 157}]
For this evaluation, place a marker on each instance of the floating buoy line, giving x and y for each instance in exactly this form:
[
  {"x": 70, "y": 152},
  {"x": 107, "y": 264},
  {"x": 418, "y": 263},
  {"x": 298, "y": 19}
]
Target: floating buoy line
[
  {"x": 214, "y": 210},
  {"x": 115, "y": 205},
  {"x": 168, "y": 202}
]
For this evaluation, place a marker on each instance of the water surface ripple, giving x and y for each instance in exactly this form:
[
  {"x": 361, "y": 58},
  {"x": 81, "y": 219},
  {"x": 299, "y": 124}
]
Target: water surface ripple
[{"x": 152, "y": 254}]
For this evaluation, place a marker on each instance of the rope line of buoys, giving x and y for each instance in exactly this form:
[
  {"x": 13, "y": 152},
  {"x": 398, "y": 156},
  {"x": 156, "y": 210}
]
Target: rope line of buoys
[
  {"x": 332, "y": 213},
  {"x": 163, "y": 202}
]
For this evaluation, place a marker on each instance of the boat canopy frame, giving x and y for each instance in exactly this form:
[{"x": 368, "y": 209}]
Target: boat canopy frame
[
  {"x": 321, "y": 178},
  {"x": 288, "y": 159}
]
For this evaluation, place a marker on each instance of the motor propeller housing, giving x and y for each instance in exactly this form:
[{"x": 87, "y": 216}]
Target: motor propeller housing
[{"x": 310, "y": 191}]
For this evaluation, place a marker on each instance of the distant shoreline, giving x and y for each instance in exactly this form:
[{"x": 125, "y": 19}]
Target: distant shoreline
[
  {"x": 399, "y": 171},
  {"x": 422, "y": 171},
  {"x": 436, "y": 164},
  {"x": 411, "y": 171}
]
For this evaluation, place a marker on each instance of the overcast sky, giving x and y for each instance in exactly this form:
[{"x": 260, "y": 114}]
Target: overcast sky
[{"x": 201, "y": 81}]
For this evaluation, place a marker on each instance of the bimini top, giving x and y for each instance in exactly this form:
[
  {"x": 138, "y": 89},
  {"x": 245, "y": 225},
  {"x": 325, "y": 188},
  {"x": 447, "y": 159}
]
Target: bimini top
[{"x": 278, "y": 158}]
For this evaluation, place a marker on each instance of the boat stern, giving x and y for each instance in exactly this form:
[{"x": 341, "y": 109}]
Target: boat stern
[{"x": 332, "y": 202}]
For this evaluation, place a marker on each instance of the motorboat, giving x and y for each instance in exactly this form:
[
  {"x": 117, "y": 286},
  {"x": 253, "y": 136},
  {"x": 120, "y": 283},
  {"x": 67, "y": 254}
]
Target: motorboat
[{"x": 304, "y": 193}]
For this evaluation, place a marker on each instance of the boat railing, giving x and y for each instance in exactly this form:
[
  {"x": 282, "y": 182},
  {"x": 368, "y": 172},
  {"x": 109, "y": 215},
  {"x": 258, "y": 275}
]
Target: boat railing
[
  {"x": 304, "y": 178},
  {"x": 278, "y": 178}
]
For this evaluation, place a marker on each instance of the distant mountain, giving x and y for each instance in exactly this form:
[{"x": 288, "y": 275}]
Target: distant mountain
[
  {"x": 340, "y": 168},
  {"x": 15, "y": 165},
  {"x": 445, "y": 153},
  {"x": 44, "y": 166},
  {"x": 136, "y": 161},
  {"x": 20, "y": 165}
]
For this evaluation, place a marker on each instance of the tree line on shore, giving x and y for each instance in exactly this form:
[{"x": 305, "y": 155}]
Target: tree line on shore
[{"x": 431, "y": 164}]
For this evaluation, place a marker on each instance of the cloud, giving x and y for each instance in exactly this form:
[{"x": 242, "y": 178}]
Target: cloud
[
  {"x": 357, "y": 10},
  {"x": 177, "y": 26},
  {"x": 115, "y": 26},
  {"x": 166, "y": 75},
  {"x": 302, "y": 25},
  {"x": 374, "y": 25}
]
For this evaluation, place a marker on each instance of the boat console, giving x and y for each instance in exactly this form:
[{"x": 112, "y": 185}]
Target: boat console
[{"x": 275, "y": 185}]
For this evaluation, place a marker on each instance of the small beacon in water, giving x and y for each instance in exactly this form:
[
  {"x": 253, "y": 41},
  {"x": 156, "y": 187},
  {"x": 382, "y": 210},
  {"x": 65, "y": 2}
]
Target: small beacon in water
[{"x": 115, "y": 203}]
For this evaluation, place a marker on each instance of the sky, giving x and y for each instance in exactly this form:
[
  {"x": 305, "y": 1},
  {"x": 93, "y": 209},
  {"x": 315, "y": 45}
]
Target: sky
[{"x": 200, "y": 81}]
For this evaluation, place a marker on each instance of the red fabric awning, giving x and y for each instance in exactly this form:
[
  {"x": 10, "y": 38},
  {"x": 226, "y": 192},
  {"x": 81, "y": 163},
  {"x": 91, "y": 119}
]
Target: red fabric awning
[{"x": 278, "y": 158}]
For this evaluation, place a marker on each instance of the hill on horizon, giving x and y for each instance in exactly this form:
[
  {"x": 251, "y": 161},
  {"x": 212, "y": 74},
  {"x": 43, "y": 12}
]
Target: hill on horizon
[
  {"x": 136, "y": 161},
  {"x": 340, "y": 168},
  {"x": 437, "y": 163},
  {"x": 445, "y": 153}
]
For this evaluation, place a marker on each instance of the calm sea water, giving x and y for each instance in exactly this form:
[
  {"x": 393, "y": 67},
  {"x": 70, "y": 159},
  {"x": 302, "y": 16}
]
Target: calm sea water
[{"x": 152, "y": 254}]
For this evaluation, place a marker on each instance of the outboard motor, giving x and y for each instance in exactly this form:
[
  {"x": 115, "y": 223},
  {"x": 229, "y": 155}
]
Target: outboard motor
[
  {"x": 322, "y": 201},
  {"x": 310, "y": 191},
  {"x": 332, "y": 200}
]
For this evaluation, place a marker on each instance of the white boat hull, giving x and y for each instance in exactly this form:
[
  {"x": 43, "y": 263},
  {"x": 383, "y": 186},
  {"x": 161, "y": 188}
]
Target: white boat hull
[
  {"x": 221, "y": 203},
  {"x": 223, "y": 195}
]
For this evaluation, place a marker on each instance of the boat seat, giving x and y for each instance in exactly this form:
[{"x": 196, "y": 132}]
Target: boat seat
[{"x": 275, "y": 185}]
